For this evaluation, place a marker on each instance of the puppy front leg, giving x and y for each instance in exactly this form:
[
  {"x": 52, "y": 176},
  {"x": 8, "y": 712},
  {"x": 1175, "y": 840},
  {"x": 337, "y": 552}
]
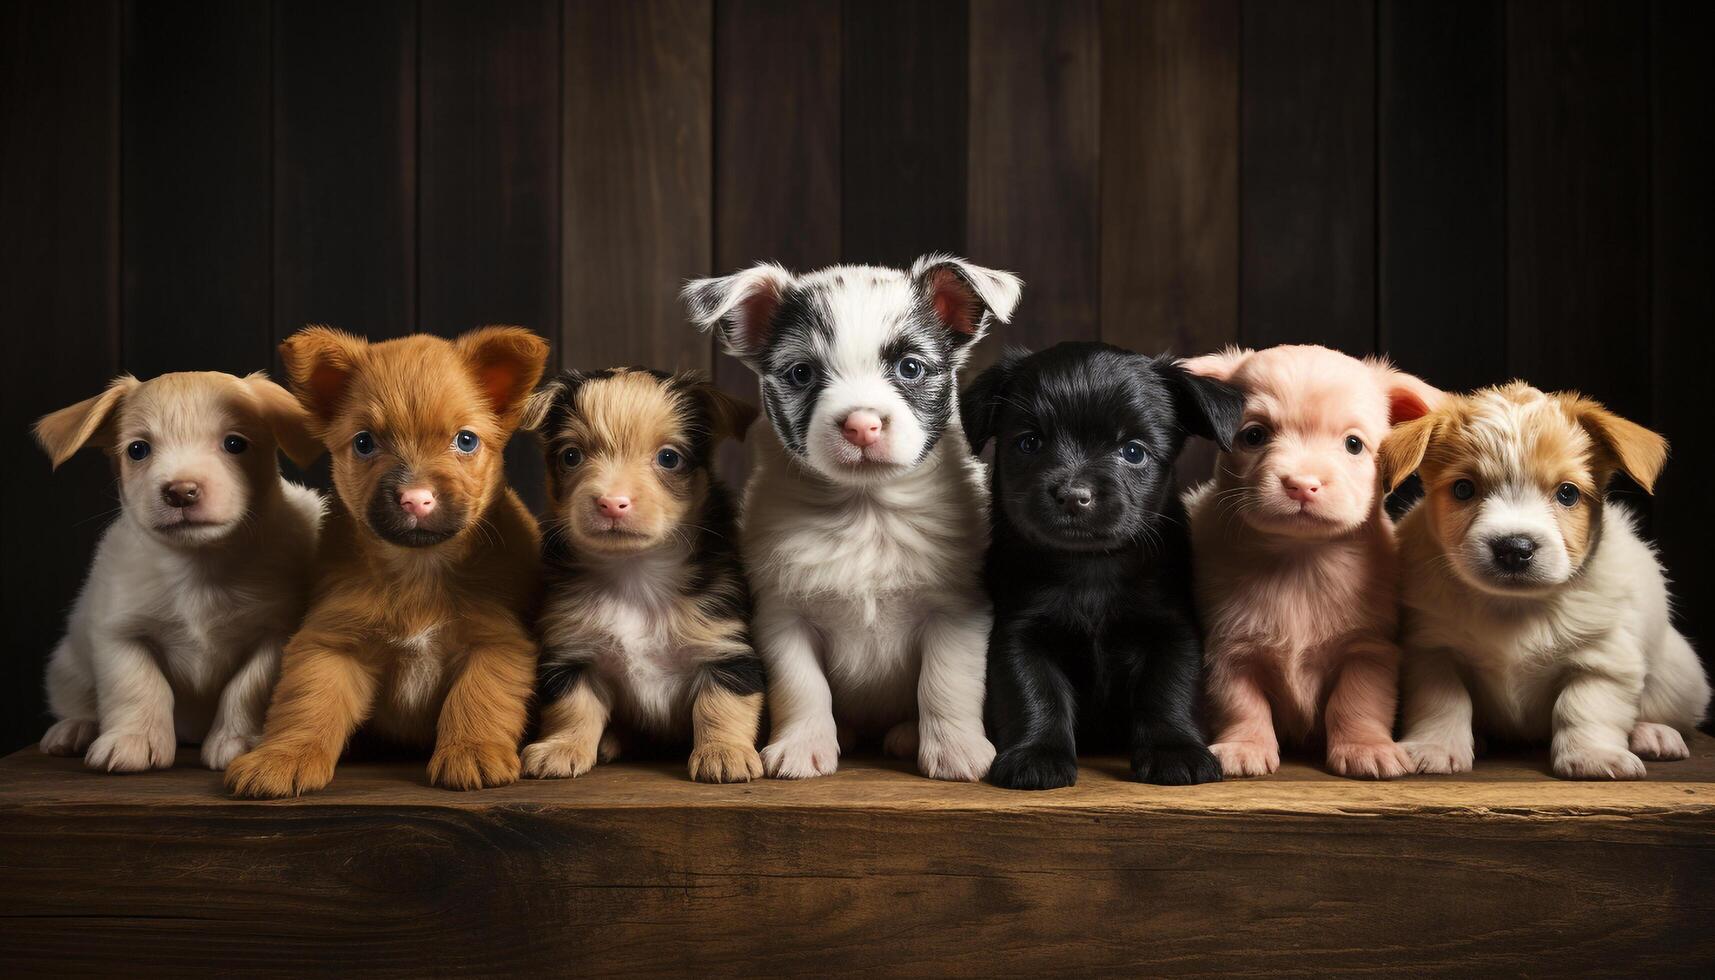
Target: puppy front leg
[
  {"x": 237, "y": 725},
  {"x": 575, "y": 713},
  {"x": 950, "y": 739},
  {"x": 1358, "y": 718},
  {"x": 1166, "y": 747},
  {"x": 1034, "y": 710},
  {"x": 1245, "y": 741},
  {"x": 482, "y": 719},
  {"x": 324, "y": 693},
  {"x": 1593, "y": 719},
  {"x": 136, "y": 710},
  {"x": 1435, "y": 714},
  {"x": 724, "y": 722},
  {"x": 804, "y": 742}
]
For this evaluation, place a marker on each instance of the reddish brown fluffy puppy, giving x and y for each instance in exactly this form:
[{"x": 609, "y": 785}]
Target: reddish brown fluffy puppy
[{"x": 428, "y": 564}]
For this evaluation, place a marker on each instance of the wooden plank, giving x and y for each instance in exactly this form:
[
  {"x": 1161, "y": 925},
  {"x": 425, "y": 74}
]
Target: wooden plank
[
  {"x": 1035, "y": 127},
  {"x": 635, "y": 869},
  {"x": 777, "y": 70},
  {"x": 905, "y": 87},
  {"x": 1682, "y": 307},
  {"x": 488, "y": 145},
  {"x": 636, "y": 181},
  {"x": 1307, "y": 247},
  {"x": 196, "y": 189},
  {"x": 59, "y": 274},
  {"x": 1441, "y": 201}
]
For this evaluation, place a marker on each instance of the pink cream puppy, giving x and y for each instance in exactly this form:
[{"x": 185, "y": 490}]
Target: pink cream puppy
[{"x": 1294, "y": 562}]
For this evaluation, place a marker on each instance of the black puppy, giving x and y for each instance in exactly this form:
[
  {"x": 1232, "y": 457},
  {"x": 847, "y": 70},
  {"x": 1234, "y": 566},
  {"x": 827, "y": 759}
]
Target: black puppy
[{"x": 1095, "y": 640}]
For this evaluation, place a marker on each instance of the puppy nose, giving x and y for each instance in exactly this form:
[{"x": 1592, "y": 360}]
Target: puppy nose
[
  {"x": 417, "y": 501},
  {"x": 862, "y": 428},
  {"x": 1301, "y": 488},
  {"x": 613, "y": 507},
  {"x": 1073, "y": 499},
  {"x": 181, "y": 493},
  {"x": 1513, "y": 553}
]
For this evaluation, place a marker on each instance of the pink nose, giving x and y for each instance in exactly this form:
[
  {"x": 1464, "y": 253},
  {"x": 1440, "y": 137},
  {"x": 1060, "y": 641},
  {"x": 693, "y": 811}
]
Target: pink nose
[
  {"x": 614, "y": 507},
  {"x": 1301, "y": 488},
  {"x": 862, "y": 429},
  {"x": 417, "y": 501}
]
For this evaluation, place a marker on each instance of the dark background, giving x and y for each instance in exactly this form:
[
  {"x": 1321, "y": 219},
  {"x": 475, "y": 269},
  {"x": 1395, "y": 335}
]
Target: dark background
[{"x": 1480, "y": 190}]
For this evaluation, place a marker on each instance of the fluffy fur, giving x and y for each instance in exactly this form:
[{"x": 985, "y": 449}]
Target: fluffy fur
[
  {"x": 645, "y": 628},
  {"x": 176, "y": 635},
  {"x": 1095, "y": 639},
  {"x": 864, "y": 526},
  {"x": 1295, "y": 562},
  {"x": 1532, "y": 609},
  {"x": 428, "y": 567}
]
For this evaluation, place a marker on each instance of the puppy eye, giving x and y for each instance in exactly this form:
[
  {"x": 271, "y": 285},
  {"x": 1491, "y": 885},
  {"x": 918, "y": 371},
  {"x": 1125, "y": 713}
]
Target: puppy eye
[
  {"x": 363, "y": 444},
  {"x": 668, "y": 458},
  {"x": 1567, "y": 495},
  {"x": 572, "y": 457},
  {"x": 1354, "y": 445},
  {"x": 800, "y": 374},
  {"x": 235, "y": 444},
  {"x": 466, "y": 441},
  {"x": 138, "y": 450},
  {"x": 909, "y": 369},
  {"x": 1253, "y": 436},
  {"x": 1464, "y": 489},
  {"x": 1030, "y": 444},
  {"x": 1133, "y": 452}
]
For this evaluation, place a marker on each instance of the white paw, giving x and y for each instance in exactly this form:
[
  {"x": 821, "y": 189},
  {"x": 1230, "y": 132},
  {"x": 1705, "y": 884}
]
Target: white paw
[
  {"x": 901, "y": 740},
  {"x": 220, "y": 748},
  {"x": 131, "y": 751},
  {"x": 69, "y": 736},
  {"x": 1588, "y": 762},
  {"x": 1241, "y": 759},
  {"x": 1439, "y": 757},
  {"x": 802, "y": 755},
  {"x": 558, "y": 758},
  {"x": 957, "y": 755},
  {"x": 1368, "y": 760},
  {"x": 1654, "y": 741}
]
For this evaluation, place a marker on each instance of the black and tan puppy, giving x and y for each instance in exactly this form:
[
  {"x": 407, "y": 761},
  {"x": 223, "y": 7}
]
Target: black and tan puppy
[
  {"x": 1095, "y": 641},
  {"x": 645, "y": 628}
]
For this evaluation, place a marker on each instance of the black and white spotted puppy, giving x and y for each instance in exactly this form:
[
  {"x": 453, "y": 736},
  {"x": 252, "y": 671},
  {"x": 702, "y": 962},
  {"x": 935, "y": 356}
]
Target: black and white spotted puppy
[{"x": 865, "y": 523}]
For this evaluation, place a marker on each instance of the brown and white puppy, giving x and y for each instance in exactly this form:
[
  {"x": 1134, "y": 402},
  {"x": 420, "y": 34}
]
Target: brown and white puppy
[
  {"x": 645, "y": 627},
  {"x": 176, "y": 635},
  {"x": 1532, "y": 609},
  {"x": 428, "y": 567}
]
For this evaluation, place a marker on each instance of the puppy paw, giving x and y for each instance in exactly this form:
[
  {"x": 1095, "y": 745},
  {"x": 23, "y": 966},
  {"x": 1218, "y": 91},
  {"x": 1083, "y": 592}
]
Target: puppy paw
[
  {"x": 558, "y": 759},
  {"x": 69, "y": 736},
  {"x": 1438, "y": 758},
  {"x": 802, "y": 755},
  {"x": 473, "y": 765},
  {"x": 1176, "y": 765},
  {"x": 1369, "y": 760},
  {"x": 1597, "y": 763},
  {"x": 274, "y": 771},
  {"x": 1240, "y": 759},
  {"x": 958, "y": 756},
  {"x": 220, "y": 748},
  {"x": 132, "y": 751},
  {"x": 725, "y": 762},
  {"x": 901, "y": 740},
  {"x": 1034, "y": 767},
  {"x": 1649, "y": 741},
  {"x": 607, "y": 750}
]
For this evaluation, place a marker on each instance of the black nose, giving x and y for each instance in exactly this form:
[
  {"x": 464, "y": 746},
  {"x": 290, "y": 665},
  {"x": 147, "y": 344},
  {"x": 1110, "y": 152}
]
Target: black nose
[
  {"x": 1073, "y": 499},
  {"x": 1513, "y": 554},
  {"x": 181, "y": 494}
]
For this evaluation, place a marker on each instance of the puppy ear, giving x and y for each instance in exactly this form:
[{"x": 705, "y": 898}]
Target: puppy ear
[
  {"x": 1403, "y": 449},
  {"x": 319, "y": 362},
  {"x": 541, "y": 402},
  {"x": 743, "y": 304},
  {"x": 963, "y": 296},
  {"x": 980, "y": 403},
  {"x": 286, "y": 418},
  {"x": 729, "y": 417},
  {"x": 1206, "y": 407},
  {"x": 506, "y": 363},
  {"x": 1624, "y": 445},
  {"x": 62, "y": 433},
  {"x": 1221, "y": 365},
  {"x": 1409, "y": 397}
]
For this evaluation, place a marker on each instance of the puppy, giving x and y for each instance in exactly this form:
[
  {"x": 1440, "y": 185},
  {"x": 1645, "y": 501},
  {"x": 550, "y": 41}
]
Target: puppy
[
  {"x": 428, "y": 567},
  {"x": 176, "y": 635},
  {"x": 1532, "y": 609},
  {"x": 646, "y": 621},
  {"x": 864, "y": 524},
  {"x": 1295, "y": 565},
  {"x": 1095, "y": 639}
]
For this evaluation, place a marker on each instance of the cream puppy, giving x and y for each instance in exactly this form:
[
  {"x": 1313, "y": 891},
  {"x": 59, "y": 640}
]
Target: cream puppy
[
  {"x": 1532, "y": 609},
  {"x": 865, "y": 522},
  {"x": 176, "y": 635}
]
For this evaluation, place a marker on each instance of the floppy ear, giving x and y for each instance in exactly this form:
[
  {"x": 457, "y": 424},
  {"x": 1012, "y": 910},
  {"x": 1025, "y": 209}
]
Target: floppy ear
[
  {"x": 506, "y": 362},
  {"x": 1206, "y": 407},
  {"x": 980, "y": 403},
  {"x": 963, "y": 296},
  {"x": 1221, "y": 365},
  {"x": 64, "y": 432},
  {"x": 541, "y": 402},
  {"x": 743, "y": 304},
  {"x": 1409, "y": 397},
  {"x": 1403, "y": 448},
  {"x": 319, "y": 361},
  {"x": 729, "y": 417},
  {"x": 1625, "y": 445},
  {"x": 286, "y": 418}
]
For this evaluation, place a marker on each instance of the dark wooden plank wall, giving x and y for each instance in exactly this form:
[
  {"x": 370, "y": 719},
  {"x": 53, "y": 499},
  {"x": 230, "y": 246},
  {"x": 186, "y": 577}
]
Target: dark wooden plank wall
[{"x": 1479, "y": 189}]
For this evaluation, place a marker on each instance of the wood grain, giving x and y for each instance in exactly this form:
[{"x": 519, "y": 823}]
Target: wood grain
[{"x": 635, "y": 869}]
